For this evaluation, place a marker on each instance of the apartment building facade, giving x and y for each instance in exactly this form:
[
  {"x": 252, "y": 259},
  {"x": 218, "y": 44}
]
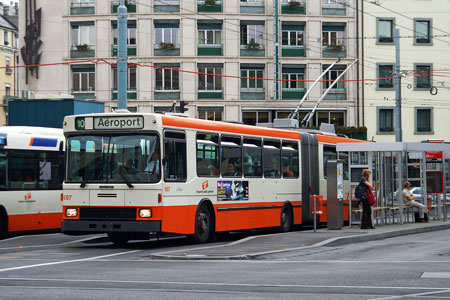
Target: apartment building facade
[
  {"x": 209, "y": 53},
  {"x": 424, "y": 67},
  {"x": 8, "y": 54}
]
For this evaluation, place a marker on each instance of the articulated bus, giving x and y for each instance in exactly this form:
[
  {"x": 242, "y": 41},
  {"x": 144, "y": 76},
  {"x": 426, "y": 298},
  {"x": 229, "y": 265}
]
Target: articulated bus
[
  {"x": 131, "y": 174},
  {"x": 31, "y": 175}
]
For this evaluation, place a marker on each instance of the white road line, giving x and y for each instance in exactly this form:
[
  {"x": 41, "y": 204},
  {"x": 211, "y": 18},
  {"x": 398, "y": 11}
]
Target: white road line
[
  {"x": 67, "y": 261},
  {"x": 50, "y": 245},
  {"x": 440, "y": 291},
  {"x": 440, "y": 275}
]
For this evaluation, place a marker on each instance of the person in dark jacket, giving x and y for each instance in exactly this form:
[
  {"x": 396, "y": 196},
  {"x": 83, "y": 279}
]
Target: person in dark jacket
[{"x": 366, "y": 219}]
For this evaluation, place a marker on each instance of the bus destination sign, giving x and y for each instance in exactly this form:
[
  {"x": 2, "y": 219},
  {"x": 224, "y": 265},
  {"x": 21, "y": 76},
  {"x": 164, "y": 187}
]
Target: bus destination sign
[{"x": 131, "y": 122}]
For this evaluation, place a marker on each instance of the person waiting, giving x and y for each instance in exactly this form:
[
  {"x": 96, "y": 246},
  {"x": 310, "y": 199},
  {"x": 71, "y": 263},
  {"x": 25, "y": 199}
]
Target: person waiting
[{"x": 408, "y": 200}]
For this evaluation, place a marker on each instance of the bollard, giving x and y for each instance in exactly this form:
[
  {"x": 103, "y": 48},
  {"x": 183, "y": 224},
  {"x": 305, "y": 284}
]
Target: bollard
[{"x": 315, "y": 213}]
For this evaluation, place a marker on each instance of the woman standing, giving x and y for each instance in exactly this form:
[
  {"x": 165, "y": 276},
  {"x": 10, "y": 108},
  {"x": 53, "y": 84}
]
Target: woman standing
[{"x": 366, "y": 219}]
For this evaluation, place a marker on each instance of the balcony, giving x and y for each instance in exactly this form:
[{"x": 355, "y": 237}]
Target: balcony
[
  {"x": 253, "y": 94},
  {"x": 337, "y": 51},
  {"x": 253, "y": 49},
  {"x": 131, "y": 94},
  {"x": 333, "y": 9},
  {"x": 336, "y": 94},
  {"x": 8, "y": 70},
  {"x": 209, "y": 6},
  {"x": 293, "y": 7},
  {"x": 84, "y": 94},
  {"x": 210, "y": 94},
  {"x": 82, "y": 8},
  {"x": 166, "y": 95},
  {"x": 82, "y": 50},
  {"x": 162, "y": 6},
  {"x": 292, "y": 93},
  {"x": 167, "y": 49},
  {"x": 209, "y": 50},
  {"x": 131, "y": 50},
  {"x": 130, "y": 4},
  {"x": 252, "y": 7},
  {"x": 293, "y": 51}
]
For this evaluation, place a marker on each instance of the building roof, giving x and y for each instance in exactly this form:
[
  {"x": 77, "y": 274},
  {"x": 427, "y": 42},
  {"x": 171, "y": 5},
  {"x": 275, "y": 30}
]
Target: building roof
[{"x": 5, "y": 23}]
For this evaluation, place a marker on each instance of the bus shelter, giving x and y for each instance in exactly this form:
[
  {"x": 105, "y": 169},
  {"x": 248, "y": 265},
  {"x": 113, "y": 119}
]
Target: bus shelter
[{"x": 425, "y": 165}]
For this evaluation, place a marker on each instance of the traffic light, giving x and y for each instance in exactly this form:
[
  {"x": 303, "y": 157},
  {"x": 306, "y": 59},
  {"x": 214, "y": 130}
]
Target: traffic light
[{"x": 182, "y": 106}]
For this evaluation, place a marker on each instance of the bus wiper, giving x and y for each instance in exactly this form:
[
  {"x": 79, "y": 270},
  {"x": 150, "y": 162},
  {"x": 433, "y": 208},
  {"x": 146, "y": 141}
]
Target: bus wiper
[{"x": 122, "y": 174}]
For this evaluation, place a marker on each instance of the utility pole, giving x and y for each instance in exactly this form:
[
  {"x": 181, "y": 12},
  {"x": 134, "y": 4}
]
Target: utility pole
[
  {"x": 398, "y": 89},
  {"x": 122, "y": 57},
  {"x": 276, "y": 62}
]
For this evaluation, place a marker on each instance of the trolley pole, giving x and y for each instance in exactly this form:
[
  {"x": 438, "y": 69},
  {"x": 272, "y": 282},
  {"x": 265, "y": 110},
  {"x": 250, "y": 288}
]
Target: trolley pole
[
  {"x": 398, "y": 89},
  {"x": 122, "y": 57}
]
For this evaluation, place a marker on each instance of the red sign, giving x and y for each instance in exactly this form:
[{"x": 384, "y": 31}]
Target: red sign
[{"x": 433, "y": 155}]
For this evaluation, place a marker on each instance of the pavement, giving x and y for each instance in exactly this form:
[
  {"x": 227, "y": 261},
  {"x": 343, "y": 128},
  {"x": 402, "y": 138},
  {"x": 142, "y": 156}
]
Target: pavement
[{"x": 261, "y": 246}]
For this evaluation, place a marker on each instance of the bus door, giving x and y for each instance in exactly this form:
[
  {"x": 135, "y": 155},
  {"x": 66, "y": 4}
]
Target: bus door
[{"x": 310, "y": 173}]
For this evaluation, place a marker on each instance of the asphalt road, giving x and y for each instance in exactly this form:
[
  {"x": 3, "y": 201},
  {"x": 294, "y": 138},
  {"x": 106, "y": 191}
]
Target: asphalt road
[{"x": 55, "y": 266}]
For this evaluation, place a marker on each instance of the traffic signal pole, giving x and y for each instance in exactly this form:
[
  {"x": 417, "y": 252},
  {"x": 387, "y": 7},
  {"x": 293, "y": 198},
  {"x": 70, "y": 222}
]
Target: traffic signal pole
[{"x": 122, "y": 57}]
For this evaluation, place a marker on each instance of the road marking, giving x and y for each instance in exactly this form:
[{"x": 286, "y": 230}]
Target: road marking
[
  {"x": 67, "y": 261},
  {"x": 50, "y": 245},
  {"x": 440, "y": 291},
  {"x": 437, "y": 275}
]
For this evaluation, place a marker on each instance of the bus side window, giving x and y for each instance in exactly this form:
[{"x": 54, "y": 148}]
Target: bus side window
[
  {"x": 252, "y": 158},
  {"x": 207, "y": 155},
  {"x": 174, "y": 156},
  {"x": 272, "y": 158},
  {"x": 289, "y": 155},
  {"x": 329, "y": 153},
  {"x": 3, "y": 171},
  {"x": 231, "y": 150}
]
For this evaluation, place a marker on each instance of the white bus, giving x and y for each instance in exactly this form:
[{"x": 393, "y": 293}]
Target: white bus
[
  {"x": 31, "y": 175},
  {"x": 212, "y": 176}
]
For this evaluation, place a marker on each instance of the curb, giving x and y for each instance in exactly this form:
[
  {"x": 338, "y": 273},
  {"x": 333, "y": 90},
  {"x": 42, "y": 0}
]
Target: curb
[{"x": 332, "y": 242}]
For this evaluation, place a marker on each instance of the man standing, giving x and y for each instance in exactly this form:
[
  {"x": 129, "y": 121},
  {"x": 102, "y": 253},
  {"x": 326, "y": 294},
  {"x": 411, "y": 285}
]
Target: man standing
[{"x": 408, "y": 199}]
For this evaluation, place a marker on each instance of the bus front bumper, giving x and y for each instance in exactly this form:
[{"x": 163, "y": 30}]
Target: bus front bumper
[{"x": 78, "y": 227}]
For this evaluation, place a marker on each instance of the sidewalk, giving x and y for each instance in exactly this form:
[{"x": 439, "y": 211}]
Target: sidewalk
[{"x": 254, "y": 247}]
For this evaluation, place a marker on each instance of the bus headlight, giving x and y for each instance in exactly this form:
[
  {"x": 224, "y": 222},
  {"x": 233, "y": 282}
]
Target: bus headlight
[
  {"x": 145, "y": 213},
  {"x": 71, "y": 212}
]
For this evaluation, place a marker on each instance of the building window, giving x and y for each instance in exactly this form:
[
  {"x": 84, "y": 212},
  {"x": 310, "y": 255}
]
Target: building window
[
  {"x": 385, "y": 120},
  {"x": 331, "y": 77},
  {"x": 254, "y": 117},
  {"x": 166, "y": 35},
  {"x": 6, "y": 38},
  {"x": 131, "y": 80},
  {"x": 385, "y": 77},
  {"x": 292, "y": 37},
  {"x": 252, "y": 35},
  {"x": 293, "y": 78},
  {"x": 83, "y": 36},
  {"x": 131, "y": 36},
  {"x": 210, "y": 113},
  {"x": 83, "y": 80},
  {"x": 385, "y": 31},
  {"x": 424, "y": 120},
  {"x": 167, "y": 79},
  {"x": 422, "y": 78},
  {"x": 422, "y": 32},
  {"x": 249, "y": 79},
  {"x": 209, "y": 78},
  {"x": 333, "y": 37},
  {"x": 209, "y": 36}
]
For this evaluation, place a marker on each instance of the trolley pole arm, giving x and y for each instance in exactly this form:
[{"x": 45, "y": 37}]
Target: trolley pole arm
[
  {"x": 308, "y": 117},
  {"x": 294, "y": 114}
]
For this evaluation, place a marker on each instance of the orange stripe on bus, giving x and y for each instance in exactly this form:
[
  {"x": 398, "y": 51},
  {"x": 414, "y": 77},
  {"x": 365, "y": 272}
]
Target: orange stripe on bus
[
  {"x": 228, "y": 127},
  {"x": 34, "y": 221},
  {"x": 31, "y": 142}
]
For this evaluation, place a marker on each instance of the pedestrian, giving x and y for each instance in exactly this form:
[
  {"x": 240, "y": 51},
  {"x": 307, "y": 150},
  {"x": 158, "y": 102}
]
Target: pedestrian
[
  {"x": 408, "y": 200},
  {"x": 366, "y": 219}
]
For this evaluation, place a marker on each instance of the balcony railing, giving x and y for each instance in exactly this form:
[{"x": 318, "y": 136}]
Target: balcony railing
[
  {"x": 209, "y": 6},
  {"x": 210, "y": 94},
  {"x": 130, "y": 4},
  {"x": 210, "y": 49},
  {"x": 256, "y": 7},
  {"x": 82, "y": 50},
  {"x": 333, "y": 8},
  {"x": 334, "y": 51},
  {"x": 131, "y": 50},
  {"x": 167, "y": 49},
  {"x": 293, "y": 50},
  {"x": 8, "y": 71},
  {"x": 166, "y": 6},
  {"x": 293, "y": 7},
  {"x": 82, "y": 8}
]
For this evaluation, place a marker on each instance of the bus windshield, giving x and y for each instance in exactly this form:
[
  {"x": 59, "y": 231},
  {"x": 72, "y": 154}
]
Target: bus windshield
[{"x": 113, "y": 158}]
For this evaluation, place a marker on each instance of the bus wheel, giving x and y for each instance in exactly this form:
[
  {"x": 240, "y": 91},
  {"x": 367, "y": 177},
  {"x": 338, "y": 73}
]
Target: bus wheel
[
  {"x": 202, "y": 225},
  {"x": 286, "y": 219},
  {"x": 119, "y": 238}
]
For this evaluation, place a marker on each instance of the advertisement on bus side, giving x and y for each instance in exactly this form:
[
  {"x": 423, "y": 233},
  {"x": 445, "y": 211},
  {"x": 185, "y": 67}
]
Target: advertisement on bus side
[{"x": 232, "y": 190}]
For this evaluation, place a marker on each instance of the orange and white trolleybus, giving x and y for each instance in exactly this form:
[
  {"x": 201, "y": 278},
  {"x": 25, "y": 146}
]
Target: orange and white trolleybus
[
  {"x": 31, "y": 175},
  {"x": 131, "y": 174}
]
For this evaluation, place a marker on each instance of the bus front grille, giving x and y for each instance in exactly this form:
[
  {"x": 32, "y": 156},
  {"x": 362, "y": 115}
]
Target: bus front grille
[{"x": 108, "y": 213}]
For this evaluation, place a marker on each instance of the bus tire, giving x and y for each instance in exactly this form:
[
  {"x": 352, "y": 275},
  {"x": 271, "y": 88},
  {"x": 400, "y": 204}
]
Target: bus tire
[
  {"x": 202, "y": 225},
  {"x": 119, "y": 238},
  {"x": 286, "y": 218},
  {"x": 3, "y": 223}
]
